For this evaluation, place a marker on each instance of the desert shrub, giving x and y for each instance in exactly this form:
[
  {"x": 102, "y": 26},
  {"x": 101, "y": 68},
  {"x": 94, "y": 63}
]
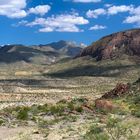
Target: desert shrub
[
  {"x": 79, "y": 100},
  {"x": 96, "y": 132},
  {"x": 114, "y": 129},
  {"x": 101, "y": 111},
  {"x": 117, "y": 130},
  {"x": 23, "y": 113},
  {"x": 79, "y": 109},
  {"x": 57, "y": 109},
  {"x": 63, "y": 101},
  {"x": 34, "y": 109},
  {"x": 136, "y": 99},
  {"x": 136, "y": 112},
  {"x": 1, "y": 121},
  {"x": 71, "y": 106},
  {"x": 135, "y": 105},
  {"x": 70, "y": 118},
  {"x": 43, "y": 108}
]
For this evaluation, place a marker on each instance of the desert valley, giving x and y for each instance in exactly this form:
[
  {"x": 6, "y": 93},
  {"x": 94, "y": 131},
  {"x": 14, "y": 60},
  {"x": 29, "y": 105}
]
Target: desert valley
[{"x": 65, "y": 91}]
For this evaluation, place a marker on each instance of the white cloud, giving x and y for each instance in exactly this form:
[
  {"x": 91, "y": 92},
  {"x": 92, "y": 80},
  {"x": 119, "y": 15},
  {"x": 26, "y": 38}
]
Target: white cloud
[
  {"x": 87, "y": 1},
  {"x": 134, "y": 17},
  {"x": 60, "y": 23},
  {"x": 95, "y": 13},
  {"x": 13, "y": 8},
  {"x": 119, "y": 9},
  {"x": 135, "y": 11},
  {"x": 111, "y": 10},
  {"x": 16, "y": 9},
  {"x": 108, "y": 5},
  {"x": 97, "y": 27},
  {"x": 40, "y": 9},
  {"x": 46, "y": 29}
]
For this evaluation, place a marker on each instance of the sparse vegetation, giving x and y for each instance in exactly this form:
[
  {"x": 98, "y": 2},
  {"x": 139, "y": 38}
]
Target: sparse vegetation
[{"x": 57, "y": 102}]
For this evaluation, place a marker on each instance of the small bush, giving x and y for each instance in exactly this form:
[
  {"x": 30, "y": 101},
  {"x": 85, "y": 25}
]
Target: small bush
[
  {"x": 79, "y": 109},
  {"x": 1, "y": 121},
  {"x": 136, "y": 113},
  {"x": 58, "y": 109},
  {"x": 23, "y": 113},
  {"x": 71, "y": 106},
  {"x": 96, "y": 133}
]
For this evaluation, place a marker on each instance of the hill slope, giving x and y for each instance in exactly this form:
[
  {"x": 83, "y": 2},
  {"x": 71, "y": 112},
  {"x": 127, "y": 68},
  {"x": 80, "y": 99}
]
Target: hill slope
[{"x": 115, "y": 45}]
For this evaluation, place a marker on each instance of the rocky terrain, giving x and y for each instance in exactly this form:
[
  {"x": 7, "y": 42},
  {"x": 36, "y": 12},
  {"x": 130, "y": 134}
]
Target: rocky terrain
[
  {"x": 71, "y": 99},
  {"x": 115, "y": 45}
]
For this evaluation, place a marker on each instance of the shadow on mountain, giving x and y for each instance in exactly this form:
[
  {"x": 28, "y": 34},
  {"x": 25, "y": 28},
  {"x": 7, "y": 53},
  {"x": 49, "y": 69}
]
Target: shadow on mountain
[
  {"x": 12, "y": 57},
  {"x": 104, "y": 71}
]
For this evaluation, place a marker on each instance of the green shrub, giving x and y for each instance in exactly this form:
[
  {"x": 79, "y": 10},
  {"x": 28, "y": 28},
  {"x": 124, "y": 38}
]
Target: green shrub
[
  {"x": 57, "y": 109},
  {"x": 71, "y": 106},
  {"x": 114, "y": 129},
  {"x": 23, "y": 113},
  {"x": 1, "y": 121},
  {"x": 79, "y": 109},
  {"x": 43, "y": 108},
  {"x": 136, "y": 113},
  {"x": 95, "y": 132}
]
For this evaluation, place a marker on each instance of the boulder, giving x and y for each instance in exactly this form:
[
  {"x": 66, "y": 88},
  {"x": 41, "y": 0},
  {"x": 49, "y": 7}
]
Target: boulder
[{"x": 105, "y": 105}]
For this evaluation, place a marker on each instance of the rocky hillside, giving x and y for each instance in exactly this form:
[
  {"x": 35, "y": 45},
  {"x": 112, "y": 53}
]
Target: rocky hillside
[{"x": 115, "y": 45}]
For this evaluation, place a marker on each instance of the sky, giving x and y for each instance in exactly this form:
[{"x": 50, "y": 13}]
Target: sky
[{"x": 31, "y": 22}]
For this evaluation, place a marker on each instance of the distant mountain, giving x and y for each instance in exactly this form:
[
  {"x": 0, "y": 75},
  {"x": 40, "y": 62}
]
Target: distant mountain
[
  {"x": 43, "y": 54},
  {"x": 114, "y": 46},
  {"x": 58, "y": 45},
  {"x": 67, "y": 48},
  {"x": 15, "y": 53}
]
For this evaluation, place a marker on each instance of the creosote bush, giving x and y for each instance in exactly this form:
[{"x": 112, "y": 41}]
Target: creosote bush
[
  {"x": 23, "y": 113},
  {"x": 114, "y": 129}
]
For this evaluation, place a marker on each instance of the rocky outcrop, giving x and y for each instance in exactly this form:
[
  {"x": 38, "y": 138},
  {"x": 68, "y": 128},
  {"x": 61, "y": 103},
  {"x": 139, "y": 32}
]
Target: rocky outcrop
[
  {"x": 122, "y": 90},
  {"x": 115, "y": 45},
  {"x": 118, "y": 91}
]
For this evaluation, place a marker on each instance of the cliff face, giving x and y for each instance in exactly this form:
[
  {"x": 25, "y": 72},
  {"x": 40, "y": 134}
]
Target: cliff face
[{"x": 115, "y": 45}]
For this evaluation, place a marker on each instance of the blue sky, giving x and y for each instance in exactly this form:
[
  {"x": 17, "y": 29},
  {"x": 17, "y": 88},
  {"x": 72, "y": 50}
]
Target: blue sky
[{"x": 44, "y": 21}]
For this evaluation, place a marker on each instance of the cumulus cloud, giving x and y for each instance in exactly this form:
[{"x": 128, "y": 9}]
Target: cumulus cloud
[
  {"x": 13, "y": 8},
  {"x": 119, "y": 9},
  {"x": 110, "y": 10},
  {"x": 134, "y": 16},
  {"x": 135, "y": 11},
  {"x": 40, "y": 9},
  {"x": 95, "y": 13},
  {"x": 97, "y": 27},
  {"x": 17, "y": 9},
  {"x": 60, "y": 23},
  {"x": 86, "y": 1},
  {"x": 132, "y": 19}
]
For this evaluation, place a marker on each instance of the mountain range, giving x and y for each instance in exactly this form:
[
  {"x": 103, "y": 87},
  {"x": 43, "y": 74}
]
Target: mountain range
[
  {"x": 42, "y": 54},
  {"x": 109, "y": 47}
]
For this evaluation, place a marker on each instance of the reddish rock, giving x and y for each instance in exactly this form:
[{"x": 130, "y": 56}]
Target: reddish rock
[
  {"x": 106, "y": 105},
  {"x": 115, "y": 45},
  {"x": 118, "y": 91}
]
